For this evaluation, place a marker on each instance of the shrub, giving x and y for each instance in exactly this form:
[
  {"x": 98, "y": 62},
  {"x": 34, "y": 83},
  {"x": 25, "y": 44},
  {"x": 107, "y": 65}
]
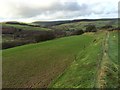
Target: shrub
[
  {"x": 90, "y": 28},
  {"x": 77, "y": 32}
]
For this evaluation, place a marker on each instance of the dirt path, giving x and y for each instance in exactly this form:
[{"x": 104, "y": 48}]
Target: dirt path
[{"x": 101, "y": 83}]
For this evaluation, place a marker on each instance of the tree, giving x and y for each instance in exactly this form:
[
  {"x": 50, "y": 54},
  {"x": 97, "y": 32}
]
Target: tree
[
  {"x": 90, "y": 28},
  {"x": 77, "y": 32}
]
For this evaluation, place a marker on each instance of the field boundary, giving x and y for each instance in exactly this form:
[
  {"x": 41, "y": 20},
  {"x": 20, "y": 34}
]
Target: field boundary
[{"x": 101, "y": 83}]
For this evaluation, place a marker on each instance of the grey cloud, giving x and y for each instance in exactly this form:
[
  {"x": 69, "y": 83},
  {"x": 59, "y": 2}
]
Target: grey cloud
[
  {"x": 69, "y": 9},
  {"x": 27, "y": 11}
]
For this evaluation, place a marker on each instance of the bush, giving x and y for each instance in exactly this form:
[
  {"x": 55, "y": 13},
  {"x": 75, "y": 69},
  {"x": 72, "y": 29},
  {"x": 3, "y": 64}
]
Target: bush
[
  {"x": 90, "y": 28},
  {"x": 77, "y": 32}
]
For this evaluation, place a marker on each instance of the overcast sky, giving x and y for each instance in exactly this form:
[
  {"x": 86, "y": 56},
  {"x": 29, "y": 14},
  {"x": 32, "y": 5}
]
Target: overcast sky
[{"x": 32, "y": 10}]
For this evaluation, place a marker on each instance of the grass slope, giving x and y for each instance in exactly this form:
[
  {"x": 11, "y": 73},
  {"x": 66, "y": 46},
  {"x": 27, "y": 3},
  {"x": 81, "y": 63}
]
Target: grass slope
[
  {"x": 82, "y": 72},
  {"x": 36, "y": 65},
  {"x": 108, "y": 71},
  {"x": 113, "y": 66},
  {"x": 85, "y": 61},
  {"x": 95, "y": 67}
]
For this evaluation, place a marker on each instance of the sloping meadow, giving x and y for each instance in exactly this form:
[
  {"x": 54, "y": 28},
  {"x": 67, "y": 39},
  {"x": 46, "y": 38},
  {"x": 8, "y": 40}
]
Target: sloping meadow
[{"x": 37, "y": 65}]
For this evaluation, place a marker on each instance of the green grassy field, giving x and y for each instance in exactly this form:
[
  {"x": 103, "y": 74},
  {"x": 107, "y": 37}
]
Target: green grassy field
[
  {"x": 82, "y": 72},
  {"x": 36, "y": 65},
  {"x": 113, "y": 66},
  {"x": 69, "y": 62},
  {"x": 96, "y": 67}
]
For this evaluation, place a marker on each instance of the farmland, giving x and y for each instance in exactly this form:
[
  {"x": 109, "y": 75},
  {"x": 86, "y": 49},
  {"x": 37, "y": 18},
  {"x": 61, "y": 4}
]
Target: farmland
[
  {"x": 17, "y": 34},
  {"x": 49, "y": 59},
  {"x": 84, "y": 60},
  {"x": 102, "y": 72}
]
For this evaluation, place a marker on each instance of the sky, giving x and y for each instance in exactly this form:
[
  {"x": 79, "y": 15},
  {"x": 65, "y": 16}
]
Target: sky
[{"x": 52, "y": 10}]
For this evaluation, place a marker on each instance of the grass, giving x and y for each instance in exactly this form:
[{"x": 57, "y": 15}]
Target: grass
[
  {"x": 113, "y": 47},
  {"x": 36, "y": 65},
  {"x": 25, "y": 27},
  {"x": 82, "y": 72},
  {"x": 108, "y": 71},
  {"x": 95, "y": 67},
  {"x": 69, "y": 62},
  {"x": 113, "y": 65}
]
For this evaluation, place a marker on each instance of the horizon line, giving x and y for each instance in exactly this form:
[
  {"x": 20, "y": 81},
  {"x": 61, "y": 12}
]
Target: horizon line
[{"x": 56, "y": 20}]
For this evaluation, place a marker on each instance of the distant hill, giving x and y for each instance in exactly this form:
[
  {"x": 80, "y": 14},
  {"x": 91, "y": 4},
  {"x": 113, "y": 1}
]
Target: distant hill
[
  {"x": 20, "y": 23},
  {"x": 52, "y": 23}
]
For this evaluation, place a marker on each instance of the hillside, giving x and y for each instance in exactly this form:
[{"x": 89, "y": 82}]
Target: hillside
[
  {"x": 36, "y": 65},
  {"x": 73, "y": 62},
  {"x": 24, "y": 26},
  {"x": 96, "y": 67},
  {"x": 83, "y": 23},
  {"x": 17, "y": 34},
  {"x": 55, "y": 23}
]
